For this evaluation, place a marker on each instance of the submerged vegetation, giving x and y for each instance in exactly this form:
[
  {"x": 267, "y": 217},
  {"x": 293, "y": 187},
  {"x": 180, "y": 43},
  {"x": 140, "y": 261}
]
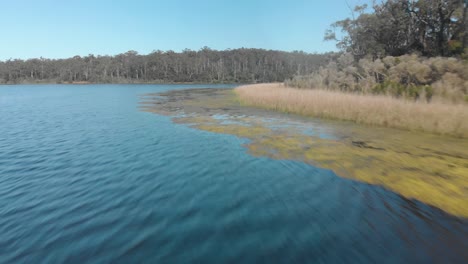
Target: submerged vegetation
[{"x": 427, "y": 167}]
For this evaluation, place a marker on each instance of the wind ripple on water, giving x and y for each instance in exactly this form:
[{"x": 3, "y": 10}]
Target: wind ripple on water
[{"x": 105, "y": 183}]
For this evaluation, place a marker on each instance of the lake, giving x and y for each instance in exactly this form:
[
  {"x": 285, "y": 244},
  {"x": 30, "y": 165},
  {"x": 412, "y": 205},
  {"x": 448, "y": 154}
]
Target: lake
[{"x": 86, "y": 176}]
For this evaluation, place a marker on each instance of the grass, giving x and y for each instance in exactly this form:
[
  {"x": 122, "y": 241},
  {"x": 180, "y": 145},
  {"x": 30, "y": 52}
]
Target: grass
[{"x": 439, "y": 118}]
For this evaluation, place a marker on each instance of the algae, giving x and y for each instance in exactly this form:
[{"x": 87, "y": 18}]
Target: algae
[{"x": 430, "y": 168}]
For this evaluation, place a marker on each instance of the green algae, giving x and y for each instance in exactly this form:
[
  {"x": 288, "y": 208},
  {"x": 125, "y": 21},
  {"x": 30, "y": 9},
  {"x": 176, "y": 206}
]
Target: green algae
[{"x": 430, "y": 168}]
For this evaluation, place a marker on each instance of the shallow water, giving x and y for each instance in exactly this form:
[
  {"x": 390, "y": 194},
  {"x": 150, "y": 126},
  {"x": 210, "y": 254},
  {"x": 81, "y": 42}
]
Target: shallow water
[
  {"x": 430, "y": 168},
  {"x": 85, "y": 176}
]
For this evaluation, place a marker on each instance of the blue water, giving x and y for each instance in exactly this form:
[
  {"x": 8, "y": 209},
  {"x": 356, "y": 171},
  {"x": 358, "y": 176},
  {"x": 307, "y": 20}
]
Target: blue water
[{"x": 85, "y": 177}]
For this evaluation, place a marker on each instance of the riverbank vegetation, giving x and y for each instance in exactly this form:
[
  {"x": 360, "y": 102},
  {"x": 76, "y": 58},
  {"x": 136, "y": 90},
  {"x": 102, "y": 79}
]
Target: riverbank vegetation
[
  {"x": 410, "y": 49},
  {"x": 427, "y": 167},
  {"x": 434, "y": 117},
  {"x": 203, "y": 66},
  {"x": 408, "y": 76},
  {"x": 403, "y": 64}
]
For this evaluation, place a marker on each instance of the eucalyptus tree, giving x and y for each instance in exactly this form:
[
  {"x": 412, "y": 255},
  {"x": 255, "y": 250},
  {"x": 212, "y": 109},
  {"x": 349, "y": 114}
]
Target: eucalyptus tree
[
  {"x": 204, "y": 65},
  {"x": 397, "y": 27}
]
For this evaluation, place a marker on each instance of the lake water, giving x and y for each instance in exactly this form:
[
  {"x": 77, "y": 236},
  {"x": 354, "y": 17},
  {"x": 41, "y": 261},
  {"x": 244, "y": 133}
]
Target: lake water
[{"x": 86, "y": 177}]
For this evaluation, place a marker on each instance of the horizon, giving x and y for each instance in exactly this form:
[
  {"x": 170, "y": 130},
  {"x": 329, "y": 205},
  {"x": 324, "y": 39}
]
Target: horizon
[
  {"x": 56, "y": 30},
  {"x": 165, "y": 51},
  {"x": 219, "y": 131}
]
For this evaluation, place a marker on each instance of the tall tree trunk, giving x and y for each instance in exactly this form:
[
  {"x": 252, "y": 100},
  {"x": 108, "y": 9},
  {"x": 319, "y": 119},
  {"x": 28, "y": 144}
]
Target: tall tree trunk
[
  {"x": 464, "y": 25},
  {"x": 441, "y": 33}
]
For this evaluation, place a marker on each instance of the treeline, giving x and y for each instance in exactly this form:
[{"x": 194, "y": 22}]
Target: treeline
[
  {"x": 206, "y": 65},
  {"x": 412, "y": 49},
  {"x": 397, "y": 27}
]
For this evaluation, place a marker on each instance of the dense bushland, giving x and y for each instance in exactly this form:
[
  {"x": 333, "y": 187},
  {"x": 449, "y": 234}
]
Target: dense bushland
[
  {"x": 411, "y": 49},
  {"x": 407, "y": 76},
  {"x": 205, "y": 65},
  {"x": 397, "y": 27}
]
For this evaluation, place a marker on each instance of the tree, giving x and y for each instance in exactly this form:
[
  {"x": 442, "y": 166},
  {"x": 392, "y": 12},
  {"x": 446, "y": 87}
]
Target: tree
[
  {"x": 398, "y": 27},
  {"x": 205, "y": 65}
]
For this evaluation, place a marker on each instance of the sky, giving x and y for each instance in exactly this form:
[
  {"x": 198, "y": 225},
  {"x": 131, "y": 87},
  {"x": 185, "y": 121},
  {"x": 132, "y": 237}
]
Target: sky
[{"x": 61, "y": 29}]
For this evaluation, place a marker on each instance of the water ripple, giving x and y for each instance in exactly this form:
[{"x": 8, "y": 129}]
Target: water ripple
[{"x": 106, "y": 183}]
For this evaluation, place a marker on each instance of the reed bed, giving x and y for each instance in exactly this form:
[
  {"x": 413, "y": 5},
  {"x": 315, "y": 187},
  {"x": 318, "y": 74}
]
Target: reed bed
[{"x": 439, "y": 118}]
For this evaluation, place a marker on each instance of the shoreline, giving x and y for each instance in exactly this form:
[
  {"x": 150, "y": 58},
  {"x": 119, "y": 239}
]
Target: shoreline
[
  {"x": 426, "y": 167},
  {"x": 100, "y": 83},
  {"x": 374, "y": 110}
]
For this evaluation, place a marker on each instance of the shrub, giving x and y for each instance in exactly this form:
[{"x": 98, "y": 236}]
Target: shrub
[{"x": 409, "y": 76}]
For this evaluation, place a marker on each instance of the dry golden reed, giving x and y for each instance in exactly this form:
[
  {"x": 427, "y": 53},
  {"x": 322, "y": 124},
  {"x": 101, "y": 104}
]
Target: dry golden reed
[{"x": 440, "y": 118}]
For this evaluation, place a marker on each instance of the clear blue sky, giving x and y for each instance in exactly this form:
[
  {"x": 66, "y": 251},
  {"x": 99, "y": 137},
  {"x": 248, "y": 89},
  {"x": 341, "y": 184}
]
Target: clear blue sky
[{"x": 62, "y": 28}]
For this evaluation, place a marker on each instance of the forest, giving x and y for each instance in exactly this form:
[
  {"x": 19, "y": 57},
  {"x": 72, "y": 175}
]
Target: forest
[
  {"x": 205, "y": 65},
  {"x": 405, "y": 49},
  {"x": 398, "y": 27}
]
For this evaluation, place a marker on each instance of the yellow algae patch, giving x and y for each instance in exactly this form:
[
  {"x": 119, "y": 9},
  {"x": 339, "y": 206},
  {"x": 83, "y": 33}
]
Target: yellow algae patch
[
  {"x": 220, "y": 99},
  {"x": 435, "y": 179},
  {"x": 430, "y": 168},
  {"x": 194, "y": 120},
  {"x": 238, "y": 130},
  {"x": 205, "y": 101}
]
